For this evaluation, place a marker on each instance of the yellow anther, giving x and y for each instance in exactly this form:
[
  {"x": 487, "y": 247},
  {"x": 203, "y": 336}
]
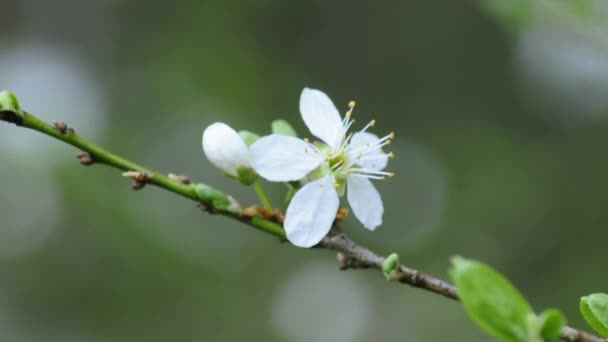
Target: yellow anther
[
  {"x": 391, "y": 155},
  {"x": 352, "y": 104},
  {"x": 336, "y": 184},
  {"x": 372, "y": 123},
  {"x": 391, "y": 175},
  {"x": 306, "y": 139},
  {"x": 389, "y": 141},
  {"x": 392, "y": 135}
]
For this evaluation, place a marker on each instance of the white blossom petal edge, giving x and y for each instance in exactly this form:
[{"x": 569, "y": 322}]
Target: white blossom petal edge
[
  {"x": 225, "y": 148},
  {"x": 311, "y": 212},
  {"x": 365, "y": 201}
]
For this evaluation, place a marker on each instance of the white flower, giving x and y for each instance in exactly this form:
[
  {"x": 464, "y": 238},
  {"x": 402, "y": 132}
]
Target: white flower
[
  {"x": 225, "y": 149},
  {"x": 353, "y": 159}
]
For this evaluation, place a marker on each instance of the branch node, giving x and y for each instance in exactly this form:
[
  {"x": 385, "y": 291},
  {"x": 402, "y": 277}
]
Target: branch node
[
  {"x": 138, "y": 185},
  {"x": 180, "y": 178},
  {"x": 86, "y": 159},
  {"x": 206, "y": 208},
  {"x": 140, "y": 178},
  {"x": 342, "y": 214},
  {"x": 271, "y": 215},
  {"x": 343, "y": 261},
  {"x": 63, "y": 128}
]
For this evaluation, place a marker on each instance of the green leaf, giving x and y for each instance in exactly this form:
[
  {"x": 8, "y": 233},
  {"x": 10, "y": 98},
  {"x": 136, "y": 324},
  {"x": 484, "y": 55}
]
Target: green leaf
[
  {"x": 551, "y": 323},
  {"x": 249, "y": 137},
  {"x": 594, "y": 309},
  {"x": 212, "y": 196},
  {"x": 491, "y": 301},
  {"x": 284, "y": 128},
  {"x": 9, "y": 102}
]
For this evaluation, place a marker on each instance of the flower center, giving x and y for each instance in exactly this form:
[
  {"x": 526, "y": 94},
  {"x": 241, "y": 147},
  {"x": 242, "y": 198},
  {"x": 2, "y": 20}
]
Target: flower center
[{"x": 337, "y": 161}]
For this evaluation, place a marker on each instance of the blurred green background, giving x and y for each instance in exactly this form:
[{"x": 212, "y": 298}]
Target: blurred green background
[{"x": 500, "y": 109}]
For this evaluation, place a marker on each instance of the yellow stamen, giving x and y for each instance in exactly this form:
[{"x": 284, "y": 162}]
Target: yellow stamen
[
  {"x": 392, "y": 135},
  {"x": 372, "y": 123},
  {"x": 391, "y": 175},
  {"x": 352, "y": 104},
  {"x": 391, "y": 155}
]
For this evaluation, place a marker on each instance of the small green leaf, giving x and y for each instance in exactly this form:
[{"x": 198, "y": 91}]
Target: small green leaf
[
  {"x": 284, "y": 128},
  {"x": 212, "y": 196},
  {"x": 9, "y": 102},
  {"x": 491, "y": 301},
  {"x": 390, "y": 266},
  {"x": 594, "y": 309},
  {"x": 249, "y": 137},
  {"x": 551, "y": 323}
]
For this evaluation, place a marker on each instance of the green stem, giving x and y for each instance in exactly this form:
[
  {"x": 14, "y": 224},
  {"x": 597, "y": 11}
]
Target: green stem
[
  {"x": 103, "y": 156},
  {"x": 262, "y": 195}
]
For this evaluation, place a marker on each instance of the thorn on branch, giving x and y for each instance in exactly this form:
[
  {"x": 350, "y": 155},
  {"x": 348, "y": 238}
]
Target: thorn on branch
[
  {"x": 86, "y": 159},
  {"x": 140, "y": 179},
  {"x": 180, "y": 178}
]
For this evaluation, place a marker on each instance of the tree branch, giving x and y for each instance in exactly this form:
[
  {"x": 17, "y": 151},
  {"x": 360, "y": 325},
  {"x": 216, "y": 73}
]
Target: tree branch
[{"x": 351, "y": 255}]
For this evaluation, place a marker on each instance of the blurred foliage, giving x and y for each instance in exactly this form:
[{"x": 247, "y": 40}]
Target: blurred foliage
[{"x": 499, "y": 156}]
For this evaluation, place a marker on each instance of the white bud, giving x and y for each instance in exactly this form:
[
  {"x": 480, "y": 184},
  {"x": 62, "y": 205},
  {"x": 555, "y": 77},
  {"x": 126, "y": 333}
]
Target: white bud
[{"x": 225, "y": 148}]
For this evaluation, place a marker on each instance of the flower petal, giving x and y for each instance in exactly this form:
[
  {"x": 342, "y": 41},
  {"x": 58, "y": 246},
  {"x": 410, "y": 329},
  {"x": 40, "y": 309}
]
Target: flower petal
[
  {"x": 321, "y": 116},
  {"x": 311, "y": 212},
  {"x": 374, "y": 159},
  {"x": 281, "y": 158},
  {"x": 224, "y": 148},
  {"x": 365, "y": 201}
]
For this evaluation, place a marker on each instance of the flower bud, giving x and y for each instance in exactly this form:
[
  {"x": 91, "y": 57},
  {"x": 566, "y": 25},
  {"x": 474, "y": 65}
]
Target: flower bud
[
  {"x": 225, "y": 149},
  {"x": 390, "y": 267}
]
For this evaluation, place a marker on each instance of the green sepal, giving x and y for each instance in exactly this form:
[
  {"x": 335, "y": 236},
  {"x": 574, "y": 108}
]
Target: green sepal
[
  {"x": 292, "y": 188},
  {"x": 9, "y": 102},
  {"x": 246, "y": 175},
  {"x": 320, "y": 172},
  {"x": 390, "y": 266},
  {"x": 491, "y": 301},
  {"x": 594, "y": 309},
  {"x": 249, "y": 138},
  {"x": 283, "y": 127},
  {"x": 212, "y": 196},
  {"x": 550, "y": 322}
]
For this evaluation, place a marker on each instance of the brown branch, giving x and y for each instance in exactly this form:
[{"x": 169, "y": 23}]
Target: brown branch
[{"x": 353, "y": 256}]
